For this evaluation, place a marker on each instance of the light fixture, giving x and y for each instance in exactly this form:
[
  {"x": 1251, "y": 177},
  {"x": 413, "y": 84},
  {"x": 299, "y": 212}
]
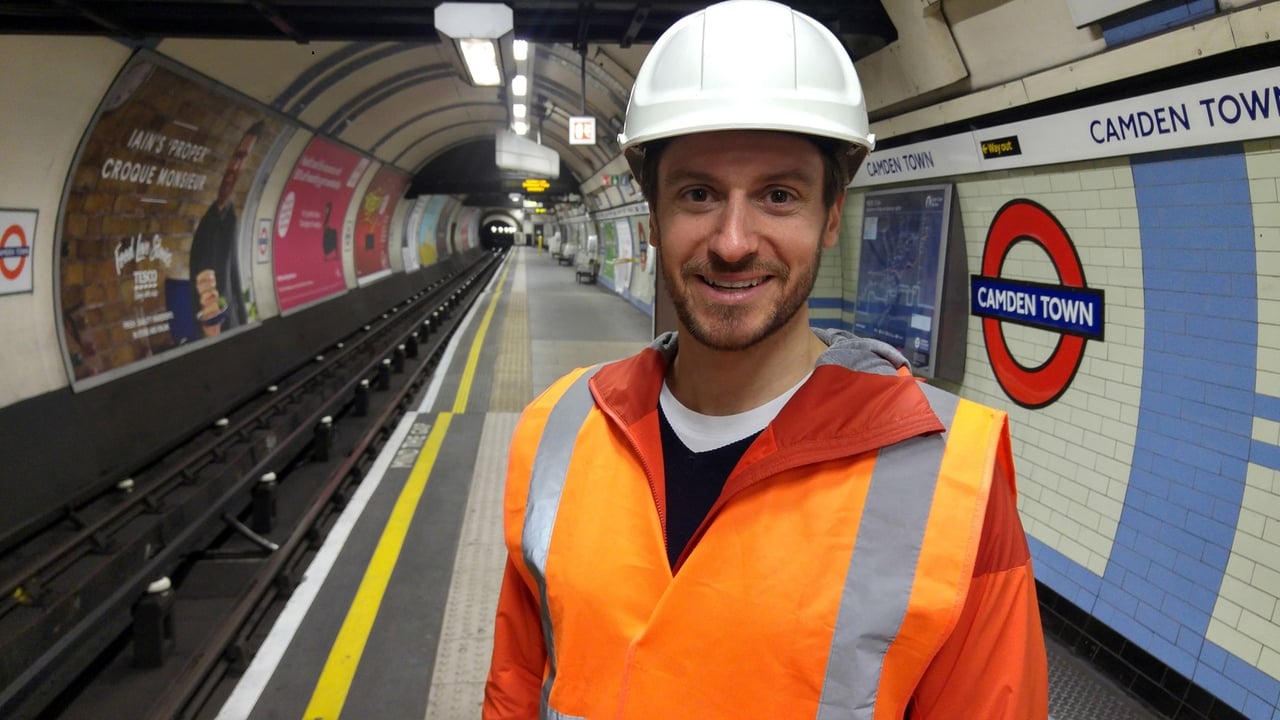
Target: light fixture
[
  {"x": 481, "y": 57},
  {"x": 476, "y": 28},
  {"x": 521, "y": 127},
  {"x": 518, "y": 111},
  {"x": 519, "y": 86},
  {"x": 516, "y": 153},
  {"x": 520, "y": 49}
]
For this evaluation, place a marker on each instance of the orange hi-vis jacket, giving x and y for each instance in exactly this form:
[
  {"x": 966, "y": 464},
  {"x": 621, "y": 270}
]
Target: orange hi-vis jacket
[{"x": 865, "y": 559}]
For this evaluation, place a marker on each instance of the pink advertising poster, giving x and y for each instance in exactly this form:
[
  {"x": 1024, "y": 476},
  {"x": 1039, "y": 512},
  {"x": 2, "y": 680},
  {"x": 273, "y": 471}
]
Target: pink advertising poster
[
  {"x": 373, "y": 223},
  {"x": 309, "y": 221}
]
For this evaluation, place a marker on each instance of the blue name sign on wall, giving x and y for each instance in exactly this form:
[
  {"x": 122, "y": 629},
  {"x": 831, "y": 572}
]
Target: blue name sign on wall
[{"x": 1074, "y": 311}]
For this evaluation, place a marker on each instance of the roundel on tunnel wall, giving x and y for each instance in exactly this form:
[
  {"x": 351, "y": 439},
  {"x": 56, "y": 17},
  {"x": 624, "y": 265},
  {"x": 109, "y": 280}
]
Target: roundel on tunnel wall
[{"x": 1068, "y": 308}]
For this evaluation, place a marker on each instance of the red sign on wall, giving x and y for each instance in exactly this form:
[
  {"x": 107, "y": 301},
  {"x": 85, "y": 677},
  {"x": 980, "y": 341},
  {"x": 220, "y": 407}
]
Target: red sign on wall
[
  {"x": 17, "y": 233},
  {"x": 1020, "y": 221},
  {"x": 582, "y": 130}
]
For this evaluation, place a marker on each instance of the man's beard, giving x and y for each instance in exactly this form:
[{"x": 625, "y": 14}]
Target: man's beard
[{"x": 717, "y": 326}]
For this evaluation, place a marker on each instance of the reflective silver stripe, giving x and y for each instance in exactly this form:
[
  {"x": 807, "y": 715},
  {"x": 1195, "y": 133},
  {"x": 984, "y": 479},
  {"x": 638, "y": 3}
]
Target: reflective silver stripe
[
  {"x": 550, "y": 714},
  {"x": 882, "y": 568},
  {"x": 550, "y": 466}
]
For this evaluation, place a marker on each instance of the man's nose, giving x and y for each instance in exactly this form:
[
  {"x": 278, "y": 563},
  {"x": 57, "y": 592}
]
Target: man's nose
[{"x": 735, "y": 238}]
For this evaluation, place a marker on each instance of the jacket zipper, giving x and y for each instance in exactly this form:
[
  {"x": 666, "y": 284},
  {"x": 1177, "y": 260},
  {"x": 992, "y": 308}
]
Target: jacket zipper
[
  {"x": 653, "y": 489},
  {"x": 648, "y": 472}
]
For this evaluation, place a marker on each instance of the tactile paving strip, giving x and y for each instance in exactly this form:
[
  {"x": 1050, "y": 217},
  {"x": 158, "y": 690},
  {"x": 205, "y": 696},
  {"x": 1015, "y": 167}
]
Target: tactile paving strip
[
  {"x": 466, "y": 635},
  {"x": 512, "y": 381},
  {"x": 512, "y": 377}
]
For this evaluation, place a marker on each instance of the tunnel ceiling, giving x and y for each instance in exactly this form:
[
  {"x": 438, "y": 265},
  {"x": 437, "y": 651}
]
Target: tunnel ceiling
[{"x": 378, "y": 76}]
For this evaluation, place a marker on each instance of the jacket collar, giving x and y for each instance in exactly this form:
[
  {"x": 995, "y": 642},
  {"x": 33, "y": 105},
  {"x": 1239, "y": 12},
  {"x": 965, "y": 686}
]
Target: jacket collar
[{"x": 861, "y": 397}]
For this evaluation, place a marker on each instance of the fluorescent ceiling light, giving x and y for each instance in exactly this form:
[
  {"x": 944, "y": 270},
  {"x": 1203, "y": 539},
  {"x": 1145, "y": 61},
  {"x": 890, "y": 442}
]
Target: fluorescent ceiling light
[
  {"x": 481, "y": 57},
  {"x": 521, "y": 127},
  {"x": 519, "y": 110},
  {"x": 520, "y": 49},
  {"x": 473, "y": 20},
  {"x": 519, "y": 86}
]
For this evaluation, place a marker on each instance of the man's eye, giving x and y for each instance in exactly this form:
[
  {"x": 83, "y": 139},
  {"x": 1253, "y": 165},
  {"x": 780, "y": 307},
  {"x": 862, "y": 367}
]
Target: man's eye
[
  {"x": 697, "y": 195},
  {"x": 780, "y": 196}
]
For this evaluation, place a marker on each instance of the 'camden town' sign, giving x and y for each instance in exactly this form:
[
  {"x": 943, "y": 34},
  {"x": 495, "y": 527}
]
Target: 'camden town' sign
[{"x": 1069, "y": 307}]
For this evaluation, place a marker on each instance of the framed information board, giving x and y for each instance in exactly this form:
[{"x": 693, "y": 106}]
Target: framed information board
[{"x": 902, "y": 274}]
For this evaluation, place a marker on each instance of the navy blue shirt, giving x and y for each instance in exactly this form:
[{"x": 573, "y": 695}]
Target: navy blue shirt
[{"x": 694, "y": 482}]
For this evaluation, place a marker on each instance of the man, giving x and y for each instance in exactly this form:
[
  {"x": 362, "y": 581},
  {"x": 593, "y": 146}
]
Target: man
[
  {"x": 214, "y": 261},
  {"x": 752, "y": 518}
]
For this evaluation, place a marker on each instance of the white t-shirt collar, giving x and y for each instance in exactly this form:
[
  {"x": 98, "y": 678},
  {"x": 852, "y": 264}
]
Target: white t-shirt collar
[{"x": 701, "y": 433}]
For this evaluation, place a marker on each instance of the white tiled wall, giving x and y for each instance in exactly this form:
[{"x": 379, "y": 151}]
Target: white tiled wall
[
  {"x": 1246, "y": 618},
  {"x": 1074, "y": 455}
]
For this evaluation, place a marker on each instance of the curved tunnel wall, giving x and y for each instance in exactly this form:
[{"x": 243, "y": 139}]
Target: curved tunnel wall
[{"x": 113, "y": 201}]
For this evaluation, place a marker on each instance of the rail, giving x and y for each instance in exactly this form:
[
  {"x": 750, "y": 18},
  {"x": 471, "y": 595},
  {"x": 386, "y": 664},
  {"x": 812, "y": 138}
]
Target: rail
[{"x": 324, "y": 385}]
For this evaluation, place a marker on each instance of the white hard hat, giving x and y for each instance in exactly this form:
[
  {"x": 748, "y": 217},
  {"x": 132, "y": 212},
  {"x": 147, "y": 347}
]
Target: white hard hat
[{"x": 748, "y": 65}]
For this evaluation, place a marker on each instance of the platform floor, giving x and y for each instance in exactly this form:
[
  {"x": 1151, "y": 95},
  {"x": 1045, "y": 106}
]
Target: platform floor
[{"x": 394, "y": 618}]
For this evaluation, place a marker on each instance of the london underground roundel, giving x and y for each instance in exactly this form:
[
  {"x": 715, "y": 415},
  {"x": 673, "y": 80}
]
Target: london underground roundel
[
  {"x": 13, "y": 255},
  {"x": 1068, "y": 308}
]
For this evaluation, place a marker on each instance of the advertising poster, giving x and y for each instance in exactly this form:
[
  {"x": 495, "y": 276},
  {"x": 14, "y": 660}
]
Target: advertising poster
[
  {"x": 309, "y": 222},
  {"x": 427, "y": 229},
  {"x": 642, "y": 272},
  {"x": 413, "y": 219},
  {"x": 408, "y": 249},
  {"x": 155, "y": 247},
  {"x": 609, "y": 239},
  {"x": 462, "y": 234},
  {"x": 445, "y": 225},
  {"x": 468, "y": 229},
  {"x": 373, "y": 223},
  {"x": 900, "y": 271},
  {"x": 626, "y": 261}
]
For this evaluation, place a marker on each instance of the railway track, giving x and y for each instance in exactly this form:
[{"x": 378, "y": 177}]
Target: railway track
[{"x": 144, "y": 601}]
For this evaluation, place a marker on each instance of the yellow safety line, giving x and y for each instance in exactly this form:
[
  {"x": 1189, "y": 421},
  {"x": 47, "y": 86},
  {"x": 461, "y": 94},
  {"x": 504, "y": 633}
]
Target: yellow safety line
[
  {"x": 473, "y": 359},
  {"x": 335, "y": 680},
  {"x": 339, "y": 670}
]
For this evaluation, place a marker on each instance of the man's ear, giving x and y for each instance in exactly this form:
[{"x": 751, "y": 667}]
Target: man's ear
[
  {"x": 831, "y": 233},
  {"x": 654, "y": 235}
]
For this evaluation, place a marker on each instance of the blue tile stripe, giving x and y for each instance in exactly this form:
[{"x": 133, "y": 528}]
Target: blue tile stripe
[
  {"x": 1154, "y": 17},
  {"x": 826, "y": 303},
  {"x": 1265, "y": 454},
  {"x": 1266, "y": 406},
  {"x": 1064, "y": 576},
  {"x": 1193, "y": 442}
]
